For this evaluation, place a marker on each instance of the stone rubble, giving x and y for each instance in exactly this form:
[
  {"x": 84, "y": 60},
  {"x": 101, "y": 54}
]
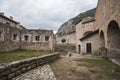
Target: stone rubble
[{"x": 40, "y": 73}]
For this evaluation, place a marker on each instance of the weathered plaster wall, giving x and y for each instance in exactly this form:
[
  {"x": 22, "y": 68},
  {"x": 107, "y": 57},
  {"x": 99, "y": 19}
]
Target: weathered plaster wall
[
  {"x": 95, "y": 42},
  {"x": 81, "y": 31},
  {"x": 70, "y": 39},
  {"x": 106, "y": 12}
]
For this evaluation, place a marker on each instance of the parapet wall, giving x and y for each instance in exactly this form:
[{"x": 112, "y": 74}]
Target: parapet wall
[{"x": 11, "y": 70}]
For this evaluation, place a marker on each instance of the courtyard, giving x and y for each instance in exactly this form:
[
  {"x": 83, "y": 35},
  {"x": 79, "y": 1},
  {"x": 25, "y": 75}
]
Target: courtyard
[{"x": 85, "y": 68}]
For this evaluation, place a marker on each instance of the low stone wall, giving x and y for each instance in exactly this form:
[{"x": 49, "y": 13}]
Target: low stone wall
[
  {"x": 9, "y": 71},
  {"x": 65, "y": 48},
  {"x": 114, "y": 55}
]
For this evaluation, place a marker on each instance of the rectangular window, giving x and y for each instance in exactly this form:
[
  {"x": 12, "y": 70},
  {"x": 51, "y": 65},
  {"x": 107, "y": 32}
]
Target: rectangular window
[
  {"x": 15, "y": 37},
  {"x": 37, "y": 38},
  {"x": 0, "y": 34},
  {"x": 7, "y": 23},
  {"x": 46, "y": 38},
  {"x": 26, "y": 37}
]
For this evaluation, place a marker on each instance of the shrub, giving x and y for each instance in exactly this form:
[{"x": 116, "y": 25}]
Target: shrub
[{"x": 63, "y": 41}]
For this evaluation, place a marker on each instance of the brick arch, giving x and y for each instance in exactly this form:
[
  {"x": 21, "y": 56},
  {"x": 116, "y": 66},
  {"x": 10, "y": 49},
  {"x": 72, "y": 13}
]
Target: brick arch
[{"x": 113, "y": 35}]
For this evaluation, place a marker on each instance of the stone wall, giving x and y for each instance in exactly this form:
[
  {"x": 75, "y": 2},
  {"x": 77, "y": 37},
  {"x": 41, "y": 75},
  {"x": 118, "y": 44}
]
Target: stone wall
[
  {"x": 7, "y": 43},
  {"x": 114, "y": 55},
  {"x": 12, "y": 38},
  {"x": 95, "y": 43},
  {"x": 81, "y": 31},
  {"x": 65, "y": 48},
  {"x": 106, "y": 12},
  {"x": 41, "y": 43},
  {"x": 9, "y": 71},
  {"x": 70, "y": 39}
]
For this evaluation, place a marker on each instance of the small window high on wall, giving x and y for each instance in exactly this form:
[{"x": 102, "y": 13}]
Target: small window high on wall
[
  {"x": 37, "y": 38},
  {"x": 0, "y": 35},
  {"x": 26, "y": 37},
  {"x": 46, "y": 38},
  {"x": 15, "y": 37}
]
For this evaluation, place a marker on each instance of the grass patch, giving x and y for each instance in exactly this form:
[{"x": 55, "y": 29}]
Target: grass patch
[
  {"x": 106, "y": 67},
  {"x": 6, "y": 57}
]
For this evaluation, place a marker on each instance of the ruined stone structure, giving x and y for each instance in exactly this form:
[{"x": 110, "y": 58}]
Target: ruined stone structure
[
  {"x": 99, "y": 30},
  {"x": 102, "y": 31},
  {"x": 68, "y": 30},
  {"x": 14, "y": 36}
]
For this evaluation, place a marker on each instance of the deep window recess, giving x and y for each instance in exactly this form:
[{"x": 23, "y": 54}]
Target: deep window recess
[
  {"x": 0, "y": 34},
  {"x": 15, "y": 37},
  {"x": 37, "y": 38},
  {"x": 26, "y": 37},
  {"x": 46, "y": 38},
  {"x": 7, "y": 23}
]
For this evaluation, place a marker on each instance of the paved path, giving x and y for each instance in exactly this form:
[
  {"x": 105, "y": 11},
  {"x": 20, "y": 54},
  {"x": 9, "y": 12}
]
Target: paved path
[{"x": 40, "y": 73}]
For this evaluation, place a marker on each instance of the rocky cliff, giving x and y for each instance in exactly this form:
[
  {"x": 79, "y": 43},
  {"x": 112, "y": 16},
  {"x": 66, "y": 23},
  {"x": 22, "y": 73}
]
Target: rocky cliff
[{"x": 69, "y": 26}]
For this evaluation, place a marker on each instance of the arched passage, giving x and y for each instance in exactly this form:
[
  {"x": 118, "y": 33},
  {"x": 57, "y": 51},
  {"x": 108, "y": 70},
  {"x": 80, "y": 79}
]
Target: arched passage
[
  {"x": 102, "y": 39},
  {"x": 113, "y": 35}
]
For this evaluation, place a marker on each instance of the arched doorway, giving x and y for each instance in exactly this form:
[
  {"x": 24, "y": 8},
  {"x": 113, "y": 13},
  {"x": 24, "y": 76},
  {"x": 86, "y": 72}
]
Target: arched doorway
[
  {"x": 113, "y": 33},
  {"x": 102, "y": 39}
]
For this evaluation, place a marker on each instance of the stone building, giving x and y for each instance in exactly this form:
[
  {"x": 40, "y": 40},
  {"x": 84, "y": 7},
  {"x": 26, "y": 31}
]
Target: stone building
[
  {"x": 98, "y": 29},
  {"x": 9, "y": 21},
  {"x": 87, "y": 36},
  {"x": 102, "y": 31},
  {"x": 67, "y": 32},
  {"x": 14, "y": 36},
  {"x": 101, "y": 35}
]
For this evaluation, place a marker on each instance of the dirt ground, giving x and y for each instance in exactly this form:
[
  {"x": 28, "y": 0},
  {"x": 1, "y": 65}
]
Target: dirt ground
[{"x": 83, "y": 69}]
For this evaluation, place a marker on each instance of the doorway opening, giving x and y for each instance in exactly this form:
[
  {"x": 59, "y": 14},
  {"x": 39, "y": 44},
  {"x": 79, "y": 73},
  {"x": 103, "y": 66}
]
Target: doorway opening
[{"x": 89, "y": 48}]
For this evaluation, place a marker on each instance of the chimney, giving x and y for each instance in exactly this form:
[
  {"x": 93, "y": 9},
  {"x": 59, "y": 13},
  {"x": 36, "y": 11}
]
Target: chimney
[
  {"x": 1, "y": 13},
  {"x": 11, "y": 17}
]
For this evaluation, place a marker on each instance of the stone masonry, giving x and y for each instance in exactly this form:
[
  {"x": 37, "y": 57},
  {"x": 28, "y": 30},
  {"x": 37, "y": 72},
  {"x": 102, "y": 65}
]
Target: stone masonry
[
  {"x": 40, "y": 73},
  {"x": 11, "y": 70},
  {"x": 13, "y": 36}
]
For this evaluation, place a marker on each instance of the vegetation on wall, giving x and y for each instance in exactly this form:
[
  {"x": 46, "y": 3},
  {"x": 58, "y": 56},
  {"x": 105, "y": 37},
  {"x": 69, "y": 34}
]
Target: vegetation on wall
[{"x": 63, "y": 41}]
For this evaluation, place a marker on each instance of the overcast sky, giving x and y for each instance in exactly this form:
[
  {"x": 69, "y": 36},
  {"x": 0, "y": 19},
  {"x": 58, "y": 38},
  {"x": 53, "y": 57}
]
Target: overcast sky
[{"x": 44, "y": 14}]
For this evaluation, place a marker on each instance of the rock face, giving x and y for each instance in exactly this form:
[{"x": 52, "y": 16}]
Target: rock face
[{"x": 69, "y": 27}]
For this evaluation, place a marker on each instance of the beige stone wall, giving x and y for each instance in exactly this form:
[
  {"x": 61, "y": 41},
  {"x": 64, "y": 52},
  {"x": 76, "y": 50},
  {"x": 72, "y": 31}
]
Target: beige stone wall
[
  {"x": 82, "y": 30},
  {"x": 95, "y": 42},
  {"x": 32, "y": 44},
  {"x": 70, "y": 39},
  {"x": 106, "y": 12},
  {"x": 11, "y": 23}
]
